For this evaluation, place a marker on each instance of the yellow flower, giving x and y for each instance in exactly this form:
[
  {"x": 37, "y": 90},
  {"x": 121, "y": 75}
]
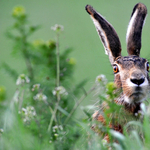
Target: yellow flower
[
  {"x": 72, "y": 61},
  {"x": 51, "y": 44},
  {"x": 111, "y": 86},
  {"x": 38, "y": 43},
  {"x": 18, "y": 11}
]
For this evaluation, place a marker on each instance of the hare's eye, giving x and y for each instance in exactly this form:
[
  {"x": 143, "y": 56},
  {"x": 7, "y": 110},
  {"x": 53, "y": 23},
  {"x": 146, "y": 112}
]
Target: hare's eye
[
  {"x": 115, "y": 69},
  {"x": 147, "y": 67}
]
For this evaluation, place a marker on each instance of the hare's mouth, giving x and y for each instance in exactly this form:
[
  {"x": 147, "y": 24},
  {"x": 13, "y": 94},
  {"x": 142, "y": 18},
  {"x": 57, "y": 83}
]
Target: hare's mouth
[
  {"x": 138, "y": 96},
  {"x": 135, "y": 95}
]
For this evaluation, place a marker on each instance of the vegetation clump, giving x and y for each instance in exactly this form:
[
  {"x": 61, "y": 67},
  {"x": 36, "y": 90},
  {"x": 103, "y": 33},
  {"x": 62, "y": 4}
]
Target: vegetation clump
[{"x": 41, "y": 114}]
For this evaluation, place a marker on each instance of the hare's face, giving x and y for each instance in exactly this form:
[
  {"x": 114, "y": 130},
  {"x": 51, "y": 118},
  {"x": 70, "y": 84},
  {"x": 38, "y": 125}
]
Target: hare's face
[{"x": 131, "y": 74}]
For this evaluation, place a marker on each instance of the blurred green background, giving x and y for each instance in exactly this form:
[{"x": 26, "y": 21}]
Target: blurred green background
[{"x": 79, "y": 33}]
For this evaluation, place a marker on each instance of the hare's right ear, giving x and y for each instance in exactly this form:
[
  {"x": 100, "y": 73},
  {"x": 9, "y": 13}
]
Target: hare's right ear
[{"x": 107, "y": 34}]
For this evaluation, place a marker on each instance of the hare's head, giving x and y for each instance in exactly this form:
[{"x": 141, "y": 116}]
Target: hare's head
[{"x": 131, "y": 72}]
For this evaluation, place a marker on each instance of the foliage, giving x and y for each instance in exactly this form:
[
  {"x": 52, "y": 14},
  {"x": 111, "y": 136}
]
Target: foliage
[{"x": 41, "y": 112}]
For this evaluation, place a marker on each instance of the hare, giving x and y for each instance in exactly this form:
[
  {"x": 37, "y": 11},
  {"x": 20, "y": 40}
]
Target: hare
[{"x": 130, "y": 72}]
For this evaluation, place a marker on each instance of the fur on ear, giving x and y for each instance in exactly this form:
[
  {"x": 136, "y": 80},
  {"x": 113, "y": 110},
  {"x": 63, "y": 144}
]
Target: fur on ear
[
  {"x": 107, "y": 34},
  {"x": 134, "y": 30}
]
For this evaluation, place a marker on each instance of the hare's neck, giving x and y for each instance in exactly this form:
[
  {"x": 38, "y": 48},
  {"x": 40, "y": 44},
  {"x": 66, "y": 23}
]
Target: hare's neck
[{"x": 131, "y": 108}]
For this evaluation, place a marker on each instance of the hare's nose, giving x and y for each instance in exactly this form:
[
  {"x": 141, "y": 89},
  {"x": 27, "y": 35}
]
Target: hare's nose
[{"x": 137, "y": 81}]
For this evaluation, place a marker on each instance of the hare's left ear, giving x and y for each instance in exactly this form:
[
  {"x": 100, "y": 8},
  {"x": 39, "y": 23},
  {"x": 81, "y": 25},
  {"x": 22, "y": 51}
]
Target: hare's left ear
[
  {"x": 134, "y": 31},
  {"x": 107, "y": 34}
]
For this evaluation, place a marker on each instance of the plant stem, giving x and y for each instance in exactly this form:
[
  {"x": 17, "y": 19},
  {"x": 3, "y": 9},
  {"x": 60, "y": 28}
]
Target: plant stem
[
  {"x": 25, "y": 53},
  {"x": 78, "y": 103},
  {"x": 29, "y": 67},
  {"x": 53, "y": 116},
  {"x": 21, "y": 99},
  {"x": 57, "y": 83},
  {"x": 58, "y": 63}
]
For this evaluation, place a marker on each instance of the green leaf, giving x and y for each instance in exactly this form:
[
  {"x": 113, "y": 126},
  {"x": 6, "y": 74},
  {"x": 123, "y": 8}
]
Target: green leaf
[{"x": 63, "y": 111}]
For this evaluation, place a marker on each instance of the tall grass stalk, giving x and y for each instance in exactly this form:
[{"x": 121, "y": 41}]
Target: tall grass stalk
[
  {"x": 57, "y": 82},
  {"x": 78, "y": 103},
  {"x": 25, "y": 52}
]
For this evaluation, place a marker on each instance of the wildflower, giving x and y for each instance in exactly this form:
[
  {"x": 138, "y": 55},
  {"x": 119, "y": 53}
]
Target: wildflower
[
  {"x": 60, "y": 127},
  {"x": 16, "y": 96},
  {"x": 56, "y": 135},
  {"x": 57, "y": 27},
  {"x": 18, "y": 11},
  {"x": 60, "y": 90},
  {"x": 111, "y": 91},
  {"x": 35, "y": 87},
  {"x": 1, "y": 131},
  {"x": 37, "y": 43},
  {"x": 100, "y": 81},
  {"x": 40, "y": 97},
  {"x": 22, "y": 79},
  {"x": 71, "y": 61},
  {"x": 55, "y": 128},
  {"x": 28, "y": 113},
  {"x": 104, "y": 142},
  {"x": 51, "y": 44},
  {"x": 50, "y": 141},
  {"x": 111, "y": 87},
  {"x": 101, "y": 78}
]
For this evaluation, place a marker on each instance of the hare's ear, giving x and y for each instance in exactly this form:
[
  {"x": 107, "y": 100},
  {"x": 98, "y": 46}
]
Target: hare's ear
[
  {"x": 107, "y": 34},
  {"x": 134, "y": 30}
]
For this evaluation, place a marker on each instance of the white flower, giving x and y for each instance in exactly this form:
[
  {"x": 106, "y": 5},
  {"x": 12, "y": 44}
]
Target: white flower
[
  {"x": 24, "y": 110},
  {"x": 1, "y": 131},
  {"x": 40, "y": 97},
  {"x": 101, "y": 82},
  {"x": 104, "y": 142},
  {"x": 16, "y": 96},
  {"x": 56, "y": 135},
  {"x": 28, "y": 113},
  {"x": 22, "y": 79},
  {"x": 55, "y": 128},
  {"x": 60, "y": 90},
  {"x": 54, "y": 92},
  {"x": 101, "y": 78},
  {"x": 57, "y": 27},
  {"x": 60, "y": 127},
  {"x": 50, "y": 141},
  {"x": 35, "y": 87}
]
